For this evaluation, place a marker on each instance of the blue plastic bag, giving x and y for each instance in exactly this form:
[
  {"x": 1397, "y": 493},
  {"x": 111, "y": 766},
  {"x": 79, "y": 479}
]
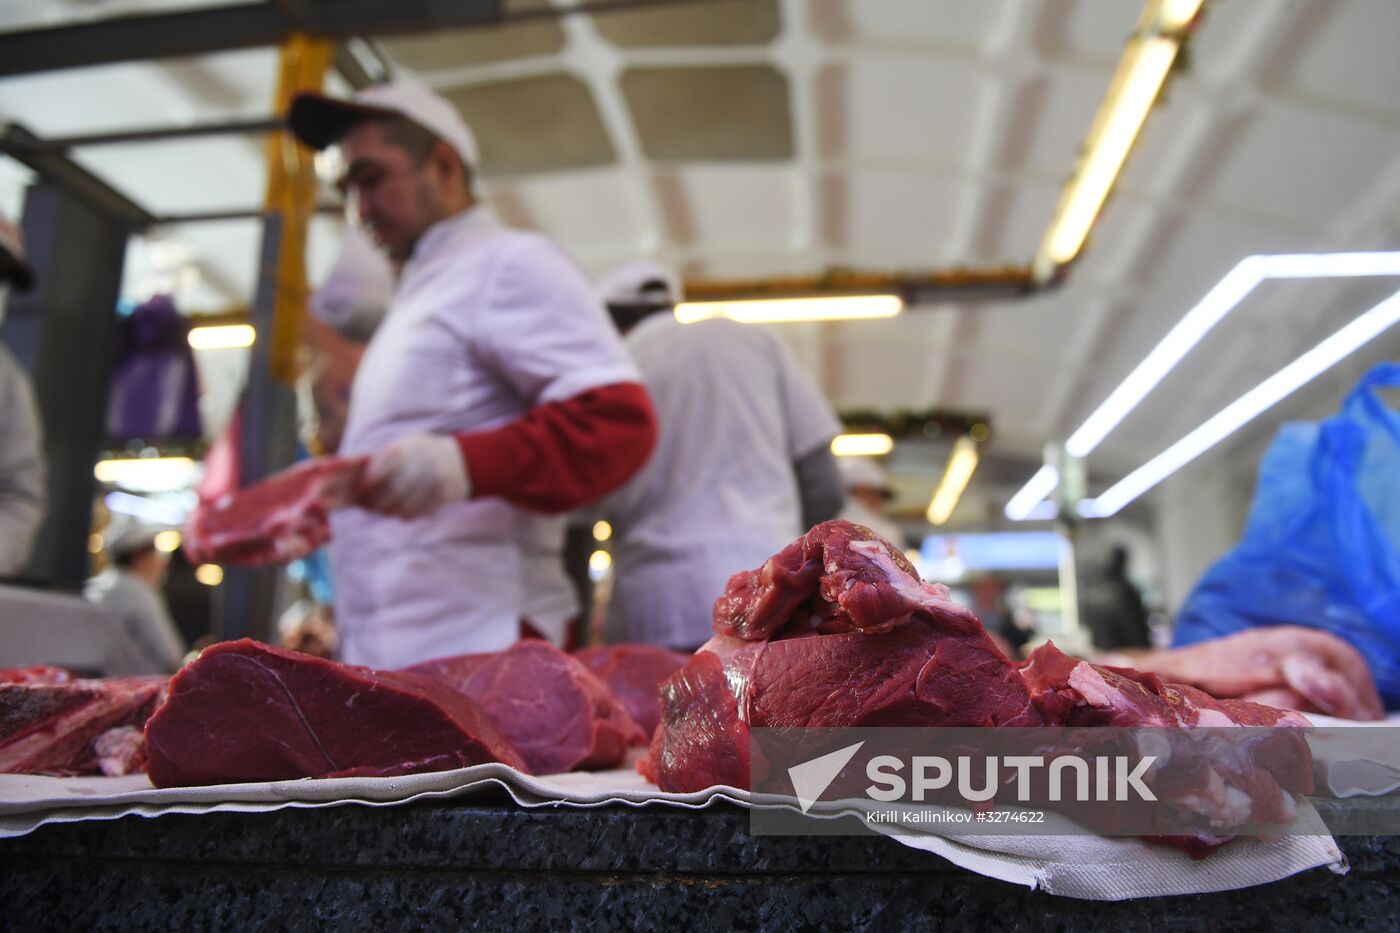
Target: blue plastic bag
[{"x": 1322, "y": 545}]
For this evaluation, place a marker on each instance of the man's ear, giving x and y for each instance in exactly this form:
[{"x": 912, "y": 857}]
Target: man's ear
[{"x": 445, "y": 163}]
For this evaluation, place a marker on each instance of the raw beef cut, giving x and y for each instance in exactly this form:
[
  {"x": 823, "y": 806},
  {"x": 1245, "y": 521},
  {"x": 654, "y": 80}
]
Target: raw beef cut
[
  {"x": 245, "y": 711},
  {"x": 36, "y": 674},
  {"x": 1279, "y": 665},
  {"x": 548, "y": 705},
  {"x": 55, "y": 727},
  {"x": 836, "y": 630},
  {"x": 634, "y": 673},
  {"x": 284, "y": 517},
  {"x": 1218, "y": 776}
]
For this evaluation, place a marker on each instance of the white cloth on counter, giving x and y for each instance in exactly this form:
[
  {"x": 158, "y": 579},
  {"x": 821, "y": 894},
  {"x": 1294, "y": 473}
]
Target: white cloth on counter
[
  {"x": 487, "y": 323},
  {"x": 1090, "y": 867},
  {"x": 719, "y": 494}
]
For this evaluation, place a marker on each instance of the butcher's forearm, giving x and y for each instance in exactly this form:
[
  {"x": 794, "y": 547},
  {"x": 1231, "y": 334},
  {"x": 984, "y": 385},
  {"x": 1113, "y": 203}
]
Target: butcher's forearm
[{"x": 564, "y": 455}]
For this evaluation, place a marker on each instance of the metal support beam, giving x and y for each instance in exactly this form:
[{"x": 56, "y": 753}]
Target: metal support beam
[
  {"x": 19, "y": 143},
  {"x": 269, "y": 432},
  {"x": 64, "y": 332},
  {"x": 222, "y": 29},
  {"x": 36, "y": 146}
]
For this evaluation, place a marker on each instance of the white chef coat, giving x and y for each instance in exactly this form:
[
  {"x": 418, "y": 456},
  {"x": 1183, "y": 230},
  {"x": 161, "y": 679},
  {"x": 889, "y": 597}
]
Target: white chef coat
[
  {"x": 485, "y": 324},
  {"x": 21, "y": 467},
  {"x": 719, "y": 494}
]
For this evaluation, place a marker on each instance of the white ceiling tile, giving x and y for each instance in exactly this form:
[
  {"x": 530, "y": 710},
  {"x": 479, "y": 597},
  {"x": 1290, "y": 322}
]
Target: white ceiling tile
[
  {"x": 900, "y": 218},
  {"x": 1351, "y": 60},
  {"x": 589, "y": 211},
  {"x": 902, "y": 107},
  {"x": 945, "y": 23}
]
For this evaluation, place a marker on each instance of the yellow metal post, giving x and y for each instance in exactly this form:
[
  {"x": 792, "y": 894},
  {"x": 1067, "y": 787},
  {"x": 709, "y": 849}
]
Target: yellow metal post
[{"x": 291, "y": 193}]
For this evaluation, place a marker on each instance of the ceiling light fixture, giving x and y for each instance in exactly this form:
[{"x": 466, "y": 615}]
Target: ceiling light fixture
[
  {"x": 1022, "y": 505},
  {"x": 222, "y": 336},
  {"x": 1227, "y": 295},
  {"x": 1246, "y": 408},
  {"x": 862, "y": 445},
  {"x": 147, "y": 474},
  {"x": 793, "y": 310},
  {"x": 962, "y": 462},
  {"x": 1134, "y": 89}
]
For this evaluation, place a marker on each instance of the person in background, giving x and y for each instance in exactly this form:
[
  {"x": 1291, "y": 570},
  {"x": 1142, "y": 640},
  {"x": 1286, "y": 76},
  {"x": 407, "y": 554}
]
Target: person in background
[
  {"x": 22, "y": 496},
  {"x": 131, "y": 588},
  {"x": 867, "y": 492},
  {"x": 1112, "y": 607},
  {"x": 493, "y": 398},
  {"x": 742, "y": 466}
]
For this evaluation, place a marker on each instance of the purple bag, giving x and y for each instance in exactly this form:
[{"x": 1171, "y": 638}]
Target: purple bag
[{"x": 155, "y": 389}]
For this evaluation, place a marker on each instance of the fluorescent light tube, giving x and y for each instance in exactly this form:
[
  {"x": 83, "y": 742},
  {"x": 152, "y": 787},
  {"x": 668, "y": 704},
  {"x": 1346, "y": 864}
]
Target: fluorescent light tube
[
  {"x": 1246, "y": 408},
  {"x": 222, "y": 337},
  {"x": 861, "y": 445},
  {"x": 1125, "y": 109},
  {"x": 1039, "y": 486},
  {"x": 962, "y": 462},
  {"x": 793, "y": 310}
]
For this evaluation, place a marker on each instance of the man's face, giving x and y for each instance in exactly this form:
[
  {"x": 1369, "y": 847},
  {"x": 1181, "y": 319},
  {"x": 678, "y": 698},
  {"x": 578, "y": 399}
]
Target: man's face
[{"x": 395, "y": 198}]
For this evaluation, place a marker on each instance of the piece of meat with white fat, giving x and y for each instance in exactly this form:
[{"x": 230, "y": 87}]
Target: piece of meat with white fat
[
  {"x": 552, "y": 709},
  {"x": 634, "y": 673},
  {"x": 245, "y": 711},
  {"x": 1284, "y": 665},
  {"x": 280, "y": 519},
  {"x": 52, "y": 726},
  {"x": 836, "y": 630},
  {"x": 1212, "y": 773}
]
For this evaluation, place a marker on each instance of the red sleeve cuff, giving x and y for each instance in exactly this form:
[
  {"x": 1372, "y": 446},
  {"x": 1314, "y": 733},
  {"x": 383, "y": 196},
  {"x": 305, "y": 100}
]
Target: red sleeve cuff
[{"x": 564, "y": 455}]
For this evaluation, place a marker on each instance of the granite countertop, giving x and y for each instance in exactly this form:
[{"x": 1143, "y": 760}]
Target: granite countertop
[{"x": 490, "y": 863}]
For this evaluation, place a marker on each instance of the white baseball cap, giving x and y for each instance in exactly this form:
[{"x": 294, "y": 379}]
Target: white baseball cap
[
  {"x": 321, "y": 121},
  {"x": 640, "y": 283}
]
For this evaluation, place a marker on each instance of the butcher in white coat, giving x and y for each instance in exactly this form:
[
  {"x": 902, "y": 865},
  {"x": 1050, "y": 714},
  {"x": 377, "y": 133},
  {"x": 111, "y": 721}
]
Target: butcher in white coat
[{"x": 494, "y": 397}]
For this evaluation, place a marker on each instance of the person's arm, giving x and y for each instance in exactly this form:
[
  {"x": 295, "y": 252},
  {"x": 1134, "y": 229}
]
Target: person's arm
[
  {"x": 589, "y": 425},
  {"x": 819, "y": 486},
  {"x": 811, "y": 424},
  {"x": 22, "y": 495},
  {"x": 564, "y": 455}
]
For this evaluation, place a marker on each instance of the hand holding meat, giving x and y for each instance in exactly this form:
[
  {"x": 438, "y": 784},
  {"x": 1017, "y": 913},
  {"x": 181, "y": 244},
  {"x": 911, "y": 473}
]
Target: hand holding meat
[
  {"x": 414, "y": 476},
  {"x": 1283, "y": 666}
]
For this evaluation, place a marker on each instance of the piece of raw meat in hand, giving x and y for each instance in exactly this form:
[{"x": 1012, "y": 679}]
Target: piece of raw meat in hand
[
  {"x": 53, "y": 724},
  {"x": 280, "y": 519},
  {"x": 1286, "y": 666},
  {"x": 552, "y": 709},
  {"x": 245, "y": 711},
  {"x": 634, "y": 673}
]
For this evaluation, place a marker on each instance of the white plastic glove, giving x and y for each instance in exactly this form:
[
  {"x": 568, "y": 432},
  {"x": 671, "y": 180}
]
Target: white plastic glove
[{"x": 415, "y": 475}]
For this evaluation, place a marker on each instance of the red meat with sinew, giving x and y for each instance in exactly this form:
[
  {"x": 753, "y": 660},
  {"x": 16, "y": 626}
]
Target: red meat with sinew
[
  {"x": 635, "y": 673},
  {"x": 548, "y": 705},
  {"x": 245, "y": 711}
]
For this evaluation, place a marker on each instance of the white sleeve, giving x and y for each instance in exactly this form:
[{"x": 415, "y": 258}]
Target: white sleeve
[
  {"x": 544, "y": 330},
  {"x": 811, "y": 421},
  {"x": 21, "y": 467}
]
